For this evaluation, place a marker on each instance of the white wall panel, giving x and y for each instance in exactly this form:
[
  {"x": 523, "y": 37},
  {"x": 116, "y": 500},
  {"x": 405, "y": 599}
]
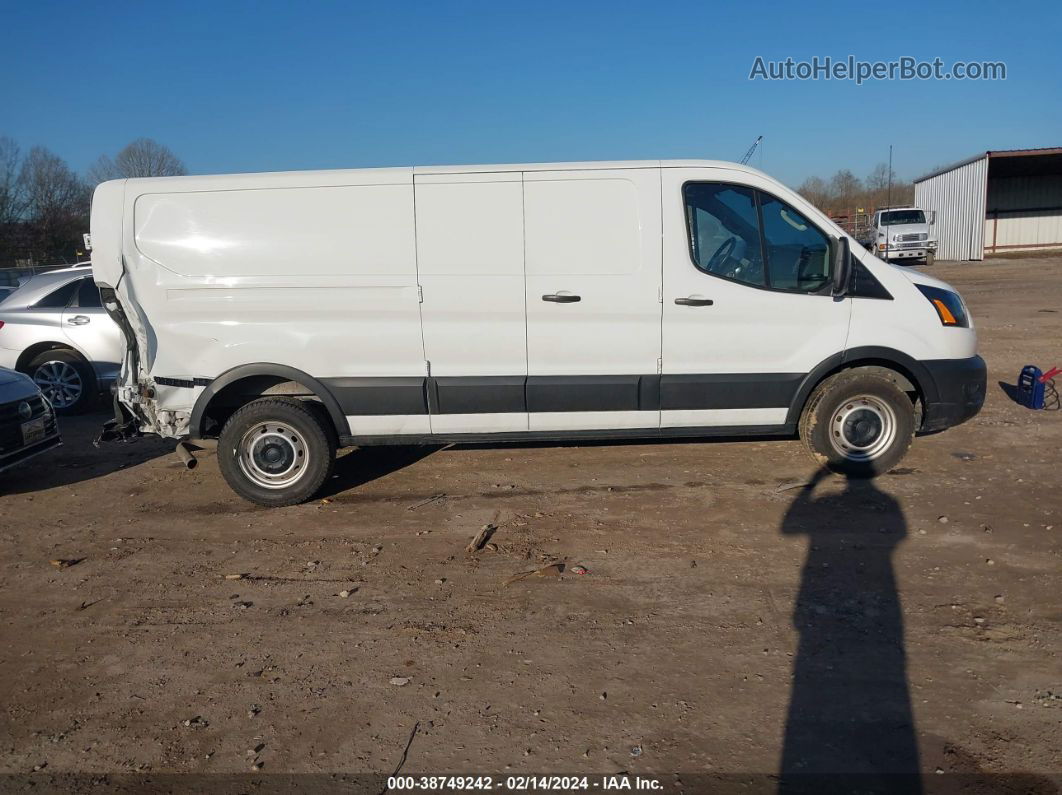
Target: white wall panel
[{"x": 958, "y": 199}]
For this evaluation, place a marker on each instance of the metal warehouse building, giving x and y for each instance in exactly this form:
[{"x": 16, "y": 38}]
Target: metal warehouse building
[{"x": 1007, "y": 200}]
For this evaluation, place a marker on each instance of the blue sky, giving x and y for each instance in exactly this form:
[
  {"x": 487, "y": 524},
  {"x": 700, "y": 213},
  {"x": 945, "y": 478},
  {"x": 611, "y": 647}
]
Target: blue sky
[{"x": 258, "y": 86}]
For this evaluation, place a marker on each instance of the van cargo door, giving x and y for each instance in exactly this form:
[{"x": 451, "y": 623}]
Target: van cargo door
[
  {"x": 470, "y": 261},
  {"x": 593, "y": 265}
]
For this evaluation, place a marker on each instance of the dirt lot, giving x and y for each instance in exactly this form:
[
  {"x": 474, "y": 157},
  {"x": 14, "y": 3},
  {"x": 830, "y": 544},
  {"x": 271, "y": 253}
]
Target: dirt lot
[{"x": 724, "y": 625}]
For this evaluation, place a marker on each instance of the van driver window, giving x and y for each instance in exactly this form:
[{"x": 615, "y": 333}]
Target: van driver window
[
  {"x": 726, "y": 239},
  {"x": 725, "y": 231},
  {"x": 798, "y": 254}
]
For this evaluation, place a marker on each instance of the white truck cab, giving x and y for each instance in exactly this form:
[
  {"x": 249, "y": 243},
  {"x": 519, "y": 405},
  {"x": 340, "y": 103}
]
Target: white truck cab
[
  {"x": 287, "y": 314},
  {"x": 903, "y": 234}
]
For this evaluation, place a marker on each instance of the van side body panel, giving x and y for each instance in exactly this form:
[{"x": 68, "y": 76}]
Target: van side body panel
[
  {"x": 318, "y": 278},
  {"x": 482, "y": 303}
]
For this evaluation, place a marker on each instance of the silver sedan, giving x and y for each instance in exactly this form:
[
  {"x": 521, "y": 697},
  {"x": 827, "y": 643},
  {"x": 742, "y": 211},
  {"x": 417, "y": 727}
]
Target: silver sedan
[{"x": 54, "y": 328}]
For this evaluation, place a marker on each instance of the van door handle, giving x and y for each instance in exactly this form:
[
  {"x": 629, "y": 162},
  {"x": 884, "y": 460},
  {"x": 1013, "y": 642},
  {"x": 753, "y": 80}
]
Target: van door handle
[
  {"x": 694, "y": 301},
  {"x": 562, "y": 298},
  {"x": 78, "y": 320}
]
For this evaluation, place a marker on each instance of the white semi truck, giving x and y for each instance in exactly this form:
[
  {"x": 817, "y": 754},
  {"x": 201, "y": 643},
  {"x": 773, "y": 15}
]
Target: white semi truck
[{"x": 902, "y": 234}]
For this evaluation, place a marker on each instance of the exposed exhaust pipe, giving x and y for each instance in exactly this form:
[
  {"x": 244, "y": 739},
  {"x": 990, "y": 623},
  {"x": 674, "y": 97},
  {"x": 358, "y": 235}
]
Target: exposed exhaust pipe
[{"x": 184, "y": 452}]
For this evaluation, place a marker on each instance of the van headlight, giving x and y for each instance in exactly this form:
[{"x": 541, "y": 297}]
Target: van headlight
[{"x": 949, "y": 306}]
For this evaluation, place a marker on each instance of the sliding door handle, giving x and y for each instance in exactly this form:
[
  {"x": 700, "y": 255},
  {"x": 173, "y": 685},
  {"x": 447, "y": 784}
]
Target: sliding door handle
[
  {"x": 562, "y": 298},
  {"x": 694, "y": 300}
]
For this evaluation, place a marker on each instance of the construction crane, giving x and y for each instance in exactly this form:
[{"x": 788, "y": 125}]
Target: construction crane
[{"x": 748, "y": 154}]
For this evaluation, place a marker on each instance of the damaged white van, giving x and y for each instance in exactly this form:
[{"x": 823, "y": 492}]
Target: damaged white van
[{"x": 289, "y": 314}]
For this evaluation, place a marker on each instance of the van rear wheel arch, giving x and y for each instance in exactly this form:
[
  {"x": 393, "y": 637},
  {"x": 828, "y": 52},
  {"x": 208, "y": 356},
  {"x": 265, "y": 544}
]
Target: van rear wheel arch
[{"x": 235, "y": 388}]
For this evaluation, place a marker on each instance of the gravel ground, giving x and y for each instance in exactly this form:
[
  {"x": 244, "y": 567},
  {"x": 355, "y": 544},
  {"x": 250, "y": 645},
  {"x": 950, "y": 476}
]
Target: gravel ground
[{"x": 725, "y": 622}]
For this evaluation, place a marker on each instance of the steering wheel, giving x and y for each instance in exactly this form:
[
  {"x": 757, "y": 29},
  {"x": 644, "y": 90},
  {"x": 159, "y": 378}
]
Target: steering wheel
[
  {"x": 721, "y": 254},
  {"x": 805, "y": 268}
]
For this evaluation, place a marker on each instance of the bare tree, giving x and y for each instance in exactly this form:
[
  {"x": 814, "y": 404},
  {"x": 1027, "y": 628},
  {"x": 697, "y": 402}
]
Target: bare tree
[
  {"x": 10, "y": 189},
  {"x": 143, "y": 157},
  {"x": 879, "y": 178},
  {"x": 56, "y": 201},
  {"x": 845, "y": 193},
  {"x": 816, "y": 191},
  {"x": 844, "y": 187}
]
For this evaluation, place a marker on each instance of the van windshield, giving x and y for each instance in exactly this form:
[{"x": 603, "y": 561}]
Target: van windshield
[{"x": 897, "y": 217}]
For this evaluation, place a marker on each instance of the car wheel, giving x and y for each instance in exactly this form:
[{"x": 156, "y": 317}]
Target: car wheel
[
  {"x": 65, "y": 379},
  {"x": 858, "y": 423},
  {"x": 276, "y": 452},
  {"x": 930, "y": 259}
]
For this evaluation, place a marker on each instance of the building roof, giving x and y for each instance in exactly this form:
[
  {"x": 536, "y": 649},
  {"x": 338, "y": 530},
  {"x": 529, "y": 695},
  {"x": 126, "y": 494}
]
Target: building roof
[{"x": 1013, "y": 167}]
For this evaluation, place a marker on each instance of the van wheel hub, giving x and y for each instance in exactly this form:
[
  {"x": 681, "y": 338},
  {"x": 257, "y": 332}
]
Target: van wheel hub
[
  {"x": 272, "y": 455},
  {"x": 862, "y": 428}
]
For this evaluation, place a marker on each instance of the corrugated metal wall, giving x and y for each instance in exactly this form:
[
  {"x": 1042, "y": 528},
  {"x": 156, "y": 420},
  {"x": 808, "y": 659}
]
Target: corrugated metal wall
[
  {"x": 1024, "y": 212},
  {"x": 958, "y": 199}
]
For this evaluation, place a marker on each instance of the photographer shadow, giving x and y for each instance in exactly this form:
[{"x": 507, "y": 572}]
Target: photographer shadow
[{"x": 849, "y": 725}]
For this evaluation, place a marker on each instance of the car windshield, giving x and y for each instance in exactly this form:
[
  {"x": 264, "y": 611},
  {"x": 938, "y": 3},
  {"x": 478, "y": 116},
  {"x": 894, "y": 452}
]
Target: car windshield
[{"x": 897, "y": 217}]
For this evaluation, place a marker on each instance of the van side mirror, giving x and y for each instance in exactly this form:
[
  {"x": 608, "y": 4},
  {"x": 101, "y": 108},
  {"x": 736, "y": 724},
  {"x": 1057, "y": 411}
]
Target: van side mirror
[
  {"x": 931, "y": 217},
  {"x": 842, "y": 265}
]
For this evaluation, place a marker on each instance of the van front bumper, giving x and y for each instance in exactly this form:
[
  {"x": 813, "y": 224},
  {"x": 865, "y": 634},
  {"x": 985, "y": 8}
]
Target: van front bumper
[{"x": 960, "y": 391}]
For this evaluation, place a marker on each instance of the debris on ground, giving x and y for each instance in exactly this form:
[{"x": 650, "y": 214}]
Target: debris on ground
[
  {"x": 426, "y": 501},
  {"x": 552, "y": 570},
  {"x": 235, "y": 576},
  {"x": 580, "y": 570},
  {"x": 793, "y": 484},
  {"x": 480, "y": 539},
  {"x": 65, "y": 563},
  {"x": 405, "y": 751},
  {"x": 400, "y": 681}
]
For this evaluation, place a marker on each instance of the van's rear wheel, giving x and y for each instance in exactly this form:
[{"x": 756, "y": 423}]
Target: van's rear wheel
[
  {"x": 858, "y": 423},
  {"x": 276, "y": 452}
]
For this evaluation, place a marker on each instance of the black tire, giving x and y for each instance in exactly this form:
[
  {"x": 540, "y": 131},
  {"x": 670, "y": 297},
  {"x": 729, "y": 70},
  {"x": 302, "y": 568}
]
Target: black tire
[
  {"x": 276, "y": 452},
  {"x": 50, "y": 370},
  {"x": 841, "y": 416},
  {"x": 930, "y": 259}
]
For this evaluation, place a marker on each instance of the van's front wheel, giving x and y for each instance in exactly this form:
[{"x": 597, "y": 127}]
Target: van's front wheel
[
  {"x": 276, "y": 452},
  {"x": 858, "y": 423}
]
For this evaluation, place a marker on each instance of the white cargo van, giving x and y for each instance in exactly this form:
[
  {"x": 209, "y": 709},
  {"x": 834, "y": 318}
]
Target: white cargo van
[{"x": 287, "y": 314}]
